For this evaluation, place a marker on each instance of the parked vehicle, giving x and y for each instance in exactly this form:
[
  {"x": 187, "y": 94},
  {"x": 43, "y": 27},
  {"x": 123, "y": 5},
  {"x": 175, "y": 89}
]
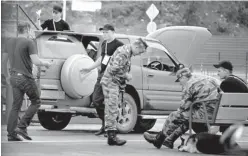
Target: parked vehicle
[{"x": 151, "y": 94}]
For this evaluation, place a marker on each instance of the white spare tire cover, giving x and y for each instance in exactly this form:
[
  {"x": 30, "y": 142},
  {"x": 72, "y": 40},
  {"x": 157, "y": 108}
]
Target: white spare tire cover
[{"x": 75, "y": 83}]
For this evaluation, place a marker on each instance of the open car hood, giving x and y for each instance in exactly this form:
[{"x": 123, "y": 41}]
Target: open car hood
[{"x": 185, "y": 42}]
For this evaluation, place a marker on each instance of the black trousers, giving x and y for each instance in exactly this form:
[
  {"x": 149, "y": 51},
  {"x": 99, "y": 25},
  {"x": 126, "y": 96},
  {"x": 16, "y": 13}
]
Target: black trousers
[
  {"x": 22, "y": 84},
  {"x": 98, "y": 97}
]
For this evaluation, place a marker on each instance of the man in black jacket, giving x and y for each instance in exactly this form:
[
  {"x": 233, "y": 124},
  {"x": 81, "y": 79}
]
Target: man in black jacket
[{"x": 230, "y": 83}]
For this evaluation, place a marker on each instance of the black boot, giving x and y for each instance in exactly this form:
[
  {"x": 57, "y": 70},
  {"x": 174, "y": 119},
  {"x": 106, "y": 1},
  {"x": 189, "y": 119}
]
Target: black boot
[
  {"x": 150, "y": 137},
  {"x": 113, "y": 140},
  {"x": 159, "y": 140},
  {"x": 169, "y": 141},
  {"x": 156, "y": 140}
]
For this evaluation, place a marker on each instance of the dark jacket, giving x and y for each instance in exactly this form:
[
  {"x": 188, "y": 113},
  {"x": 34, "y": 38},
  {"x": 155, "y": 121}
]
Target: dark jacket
[{"x": 234, "y": 84}]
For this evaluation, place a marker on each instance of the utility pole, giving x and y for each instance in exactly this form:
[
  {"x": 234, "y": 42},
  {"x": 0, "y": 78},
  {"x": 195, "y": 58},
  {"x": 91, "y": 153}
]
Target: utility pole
[{"x": 64, "y": 10}]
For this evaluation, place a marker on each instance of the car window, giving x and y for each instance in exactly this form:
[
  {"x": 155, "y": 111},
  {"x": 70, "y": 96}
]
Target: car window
[
  {"x": 91, "y": 44},
  {"x": 156, "y": 58},
  {"x": 92, "y": 49},
  {"x": 59, "y": 46}
]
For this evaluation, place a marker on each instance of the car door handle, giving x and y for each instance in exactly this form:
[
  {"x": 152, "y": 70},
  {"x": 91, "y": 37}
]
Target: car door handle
[{"x": 150, "y": 75}]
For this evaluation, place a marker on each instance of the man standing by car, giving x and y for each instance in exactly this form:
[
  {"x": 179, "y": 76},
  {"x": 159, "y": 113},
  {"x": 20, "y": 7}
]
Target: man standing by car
[
  {"x": 108, "y": 47},
  {"x": 56, "y": 23},
  {"x": 21, "y": 52},
  {"x": 230, "y": 83},
  {"x": 115, "y": 76},
  {"x": 195, "y": 88}
]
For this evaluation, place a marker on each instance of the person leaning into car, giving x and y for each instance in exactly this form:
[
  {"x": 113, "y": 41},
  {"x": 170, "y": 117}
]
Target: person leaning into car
[
  {"x": 113, "y": 80},
  {"x": 22, "y": 54},
  {"x": 108, "y": 47},
  {"x": 56, "y": 23}
]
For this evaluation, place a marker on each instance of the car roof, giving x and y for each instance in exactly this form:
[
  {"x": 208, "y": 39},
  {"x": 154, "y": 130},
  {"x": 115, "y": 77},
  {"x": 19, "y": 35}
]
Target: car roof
[{"x": 38, "y": 33}]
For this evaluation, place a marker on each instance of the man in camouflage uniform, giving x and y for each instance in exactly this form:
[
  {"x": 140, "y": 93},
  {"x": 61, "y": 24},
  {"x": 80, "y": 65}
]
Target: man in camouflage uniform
[
  {"x": 195, "y": 88},
  {"x": 115, "y": 76}
]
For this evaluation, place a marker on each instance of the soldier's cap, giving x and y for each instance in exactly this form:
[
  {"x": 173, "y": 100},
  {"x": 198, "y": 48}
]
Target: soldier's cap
[
  {"x": 182, "y": 72},
  {"x": 107, "y": 27},
  {"x": 224, "y": 64},
  {"x": 57, "y": 8},
  {"x": 141, "y": 43}
]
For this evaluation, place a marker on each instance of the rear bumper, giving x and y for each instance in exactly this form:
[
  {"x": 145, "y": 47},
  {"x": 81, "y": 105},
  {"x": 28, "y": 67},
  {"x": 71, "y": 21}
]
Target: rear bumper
[{"x": 72, "y": 110}]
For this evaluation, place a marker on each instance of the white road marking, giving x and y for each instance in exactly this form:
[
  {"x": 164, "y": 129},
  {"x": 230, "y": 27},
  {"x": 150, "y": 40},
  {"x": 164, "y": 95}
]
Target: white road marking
[
  {"x": 66, "y": 141},
  {"x": 75, "y": 141}
]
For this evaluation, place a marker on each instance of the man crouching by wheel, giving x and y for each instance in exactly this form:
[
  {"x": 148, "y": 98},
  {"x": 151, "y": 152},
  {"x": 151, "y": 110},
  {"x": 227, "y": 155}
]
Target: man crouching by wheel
[{"x": 116, "y": 73}]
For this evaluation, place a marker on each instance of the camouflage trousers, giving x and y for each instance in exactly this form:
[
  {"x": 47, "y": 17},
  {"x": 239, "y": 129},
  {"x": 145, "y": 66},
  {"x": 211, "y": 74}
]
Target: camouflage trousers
[
  {"x": 178, "y": 121},
  {"x": 111, "y": 93}
]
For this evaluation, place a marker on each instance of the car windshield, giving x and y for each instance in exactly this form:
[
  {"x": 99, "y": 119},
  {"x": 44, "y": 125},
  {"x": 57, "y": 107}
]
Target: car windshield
[
  {"x": 160, "y": 46},
  {"x": 59, "y": 46}
]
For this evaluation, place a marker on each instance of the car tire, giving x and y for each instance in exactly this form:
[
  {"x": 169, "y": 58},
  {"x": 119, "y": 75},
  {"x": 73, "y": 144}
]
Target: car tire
[
  {"x": 143, "y": 125},
  {"x": 199, "y": 127},
  {"x": 73, "y": 80},
  {"x": 54, "y": 121},
  {"x": 127, "y": 122}
]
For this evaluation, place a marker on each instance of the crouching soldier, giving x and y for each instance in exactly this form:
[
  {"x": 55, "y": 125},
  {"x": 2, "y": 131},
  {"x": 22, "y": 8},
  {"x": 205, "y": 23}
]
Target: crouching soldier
[
  {"x": 195, "y": 88},
  {"x": 115, "y": 75}
]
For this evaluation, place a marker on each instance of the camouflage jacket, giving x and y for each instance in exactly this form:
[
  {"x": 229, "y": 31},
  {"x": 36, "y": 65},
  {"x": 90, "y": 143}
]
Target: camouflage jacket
[
  {"x": 200, "y": 87},
  {"x": 118, "y": 65}
]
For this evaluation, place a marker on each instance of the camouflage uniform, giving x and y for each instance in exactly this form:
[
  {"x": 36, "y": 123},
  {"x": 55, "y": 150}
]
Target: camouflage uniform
[
  {"x": 113, "y": 78},
  {"x": 199, "y": 87}
]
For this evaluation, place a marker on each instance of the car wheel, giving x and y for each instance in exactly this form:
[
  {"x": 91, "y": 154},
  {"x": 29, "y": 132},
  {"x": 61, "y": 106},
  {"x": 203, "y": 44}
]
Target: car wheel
[
  {"x": 143, "y": 125},
  {"x": 54, "y": 121},
  {"x": 126, "y": 122},
  {"x": 199, "y": 127}
]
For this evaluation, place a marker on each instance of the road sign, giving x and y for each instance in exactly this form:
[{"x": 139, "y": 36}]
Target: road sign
[
  {"x": 152, "y": 12},
  {"x": 151, "y": 27}
]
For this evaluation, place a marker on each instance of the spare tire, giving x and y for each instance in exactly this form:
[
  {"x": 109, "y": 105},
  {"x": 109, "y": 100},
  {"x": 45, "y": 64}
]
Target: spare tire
[{"x": 74, "y": 83}]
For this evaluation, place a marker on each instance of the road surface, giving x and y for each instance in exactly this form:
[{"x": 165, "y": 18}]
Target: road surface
[{"x": 78, "y": 139}]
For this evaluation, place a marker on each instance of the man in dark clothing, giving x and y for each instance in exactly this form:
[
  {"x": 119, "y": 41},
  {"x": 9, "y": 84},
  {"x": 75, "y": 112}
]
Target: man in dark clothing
[
  {"x": 56, "y": 24},
  {"x": 230, "y": 83},
  {"x": 108, "y": 47},
  {"x": 22, "y": 54}
]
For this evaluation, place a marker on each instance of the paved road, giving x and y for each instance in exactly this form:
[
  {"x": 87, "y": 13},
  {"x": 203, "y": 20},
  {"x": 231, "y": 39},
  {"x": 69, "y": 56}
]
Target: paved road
[{"x": 79, "y": 140}]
